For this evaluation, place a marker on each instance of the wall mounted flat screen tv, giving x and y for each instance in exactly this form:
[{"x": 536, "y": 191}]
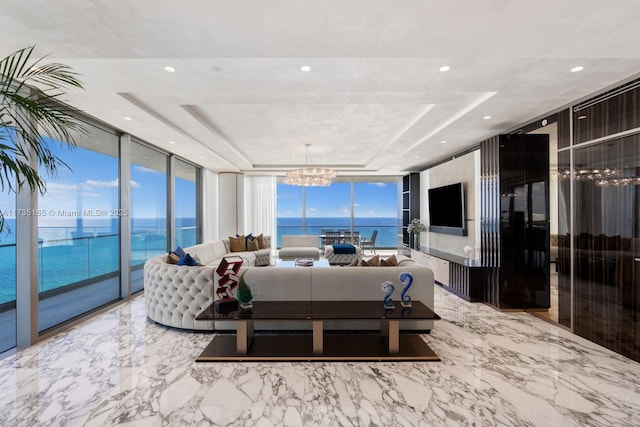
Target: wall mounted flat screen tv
[{"x": 446, "y": 210}]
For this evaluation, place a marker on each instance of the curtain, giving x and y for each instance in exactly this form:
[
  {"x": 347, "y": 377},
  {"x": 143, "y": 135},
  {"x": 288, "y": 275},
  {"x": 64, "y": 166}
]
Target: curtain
[{"x": 260, "y": 206}]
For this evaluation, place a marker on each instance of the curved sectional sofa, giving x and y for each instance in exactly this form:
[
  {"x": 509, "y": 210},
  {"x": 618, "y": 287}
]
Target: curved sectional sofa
[{"x": 175, "y": 295}]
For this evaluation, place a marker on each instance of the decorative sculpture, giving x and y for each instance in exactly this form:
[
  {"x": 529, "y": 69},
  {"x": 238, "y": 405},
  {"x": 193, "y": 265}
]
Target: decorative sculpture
[
  {"x": 388, "y": 287},
  {"x": 244, "y": 294},
  {"x": 228, "y": 272},
  {"x": 405, "y": 300}
]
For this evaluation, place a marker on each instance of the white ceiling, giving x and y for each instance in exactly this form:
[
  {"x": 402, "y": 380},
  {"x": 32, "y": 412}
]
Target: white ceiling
[{"x": 374, "y": 101}]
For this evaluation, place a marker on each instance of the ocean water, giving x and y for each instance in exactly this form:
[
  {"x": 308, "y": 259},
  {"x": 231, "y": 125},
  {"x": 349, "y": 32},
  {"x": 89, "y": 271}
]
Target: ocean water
[
  {"x": 75, "y": 252},
  {"x": 387, "y": 228}
]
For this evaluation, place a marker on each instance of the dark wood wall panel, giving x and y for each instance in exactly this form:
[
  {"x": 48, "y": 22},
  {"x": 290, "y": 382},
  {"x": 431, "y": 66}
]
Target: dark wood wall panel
[
  {"x": 607, "y": 246},
  {"x": 610, "y": 116}
]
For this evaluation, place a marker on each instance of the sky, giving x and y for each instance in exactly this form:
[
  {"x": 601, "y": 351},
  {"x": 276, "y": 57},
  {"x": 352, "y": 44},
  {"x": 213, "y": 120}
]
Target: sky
[
  {"x": 90, "y": 185},
  {"x": 371, "y": 200}
]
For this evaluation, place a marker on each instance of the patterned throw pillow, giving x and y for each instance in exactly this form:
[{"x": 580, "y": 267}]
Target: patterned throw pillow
[{"x": 237, "y": 244}]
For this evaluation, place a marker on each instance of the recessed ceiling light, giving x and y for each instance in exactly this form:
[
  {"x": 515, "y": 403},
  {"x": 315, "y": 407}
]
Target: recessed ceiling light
[
  {"x": 416, "y": 156},
  {"x": 486, "y": 117},
  {"x": 445, "y": 68},
  {"x": 172, "y": 142},
  {"x": 201, "y": 157},
  {"x": 443, "y": 142},
  {"x": 169, "y": 69},
  {"x": 576, "y": 69},
  {"x": 582, "y": 117},
  {"x": 128, "y": 118},
  {"x": 305, "y": 68}
]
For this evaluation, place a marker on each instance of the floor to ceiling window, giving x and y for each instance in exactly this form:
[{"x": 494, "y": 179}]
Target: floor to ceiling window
[
  {"x": 148, "y": 208},
  {"x": 375, "y": 209},
  {"x": 354, "y": 206},
  {"x": 185, "y": 204},
  {"x": 7, "y": 265},
  {"x": 78, "y": 232}
]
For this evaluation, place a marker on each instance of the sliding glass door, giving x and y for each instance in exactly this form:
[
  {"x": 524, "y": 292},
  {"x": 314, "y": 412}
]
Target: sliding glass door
[
  {"x": 148, "y": 208},
  {"x": 78, "y": 232}
]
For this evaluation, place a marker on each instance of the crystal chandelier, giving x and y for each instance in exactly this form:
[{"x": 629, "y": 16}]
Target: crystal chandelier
[{"x": 310, "y": 176}]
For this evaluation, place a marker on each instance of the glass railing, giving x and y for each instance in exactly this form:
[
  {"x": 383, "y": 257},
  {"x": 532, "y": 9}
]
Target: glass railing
[
  {"x": 186, "y": 236},
  {"x": 7, "y": 273},
  {"x": 84, "y": 258},
  {"x": 146, "y": 244},
  {"x": 387, "y": 237}
]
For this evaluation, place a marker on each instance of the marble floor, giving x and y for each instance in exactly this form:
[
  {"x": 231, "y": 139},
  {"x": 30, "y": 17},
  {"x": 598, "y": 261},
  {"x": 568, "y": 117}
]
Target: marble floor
[{"x": 508, "y": 369}]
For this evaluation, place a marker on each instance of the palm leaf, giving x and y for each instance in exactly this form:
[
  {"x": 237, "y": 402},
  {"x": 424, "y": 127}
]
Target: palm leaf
[{"x": 30, "y": 92}]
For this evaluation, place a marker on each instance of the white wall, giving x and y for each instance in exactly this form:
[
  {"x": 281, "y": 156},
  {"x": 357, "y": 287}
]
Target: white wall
[
  {"x": 231, "y": 204},
  {"x": 210, "y": 206},
  {"x": 465, "y": 169}
]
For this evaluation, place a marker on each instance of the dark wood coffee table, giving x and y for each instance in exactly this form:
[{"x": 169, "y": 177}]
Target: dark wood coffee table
[{"x": 390, "y": 344}]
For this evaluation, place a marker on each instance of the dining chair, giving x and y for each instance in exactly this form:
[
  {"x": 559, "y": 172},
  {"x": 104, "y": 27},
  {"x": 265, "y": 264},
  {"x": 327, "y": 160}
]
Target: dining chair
[{"x": 371, "y": 242}]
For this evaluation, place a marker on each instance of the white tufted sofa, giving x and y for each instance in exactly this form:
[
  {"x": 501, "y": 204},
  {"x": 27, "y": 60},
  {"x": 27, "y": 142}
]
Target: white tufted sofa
[
  {"x": 175, "y": 295},
  {"x": 336, "y": 284}
]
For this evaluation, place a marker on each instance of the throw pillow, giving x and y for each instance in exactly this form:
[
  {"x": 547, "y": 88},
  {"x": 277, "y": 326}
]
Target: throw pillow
[
  {"x": 371, "y": 262},
  {"x": 252, "y": 245},
  {"x": 179, "y": 251},
  {"x": 389, "y": 262},
  {"x": 172, "y": 258},
  {"x": 246, "y": 238},
  {"x": 260, "y": 239},
  {"x": 186, "y": 259},
  {"x": 355, "y": 263},
  {"x": 237, "y": 244}
]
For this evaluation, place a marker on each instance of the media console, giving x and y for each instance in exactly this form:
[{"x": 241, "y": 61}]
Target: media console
[{"x": 464, "y": 277}]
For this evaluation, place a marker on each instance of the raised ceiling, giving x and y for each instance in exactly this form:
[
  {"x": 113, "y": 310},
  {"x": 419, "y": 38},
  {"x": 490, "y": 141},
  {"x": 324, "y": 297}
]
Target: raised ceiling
[{"x": 374, "y": 102}]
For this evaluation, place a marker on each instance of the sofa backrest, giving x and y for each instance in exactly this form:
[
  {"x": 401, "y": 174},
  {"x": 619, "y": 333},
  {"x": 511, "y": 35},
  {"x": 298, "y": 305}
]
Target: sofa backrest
[
  {"x": 364, "y": 283},
  {"x": 207, "y": 252},
  {"x": 336, "y": 283},
  {"x": 306, "y": 241}
]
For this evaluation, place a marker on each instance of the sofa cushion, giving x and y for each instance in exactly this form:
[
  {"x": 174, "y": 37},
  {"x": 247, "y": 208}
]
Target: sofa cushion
[
  {"x": 172, "y": 258},
  {"x": 252, "y": 245},
  {"x": 371, "y": 262},
  {"x": 300, "y": 241},
  {"x": 178, "y": 251},
  {"x": 389, "y": 262},
  {"x": 187, "y": 259},
  {"x": 344, "y": 248},
  {"x": 260, "y": 239},
  {"x": 237, "y": 244},
  {"x": 204, "y": 252}
]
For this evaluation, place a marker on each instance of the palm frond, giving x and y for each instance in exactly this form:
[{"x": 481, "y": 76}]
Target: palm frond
[{"x": 30, "y": 92}]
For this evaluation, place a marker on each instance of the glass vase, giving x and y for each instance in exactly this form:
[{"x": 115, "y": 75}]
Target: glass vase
[{"x": 416, "y": 241}]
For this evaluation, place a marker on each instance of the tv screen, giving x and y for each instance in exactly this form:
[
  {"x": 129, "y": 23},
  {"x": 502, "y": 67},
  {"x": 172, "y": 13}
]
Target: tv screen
[{"x": 446, "y": 210}]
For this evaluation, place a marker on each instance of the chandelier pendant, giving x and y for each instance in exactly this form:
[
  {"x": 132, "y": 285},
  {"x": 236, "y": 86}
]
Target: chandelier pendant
[{"x": 310, "y": 176}]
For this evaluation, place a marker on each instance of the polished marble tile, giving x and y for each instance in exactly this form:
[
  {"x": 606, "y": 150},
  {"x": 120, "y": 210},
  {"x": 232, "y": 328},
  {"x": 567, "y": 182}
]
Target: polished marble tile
[{"x": 497, "y": 369}]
